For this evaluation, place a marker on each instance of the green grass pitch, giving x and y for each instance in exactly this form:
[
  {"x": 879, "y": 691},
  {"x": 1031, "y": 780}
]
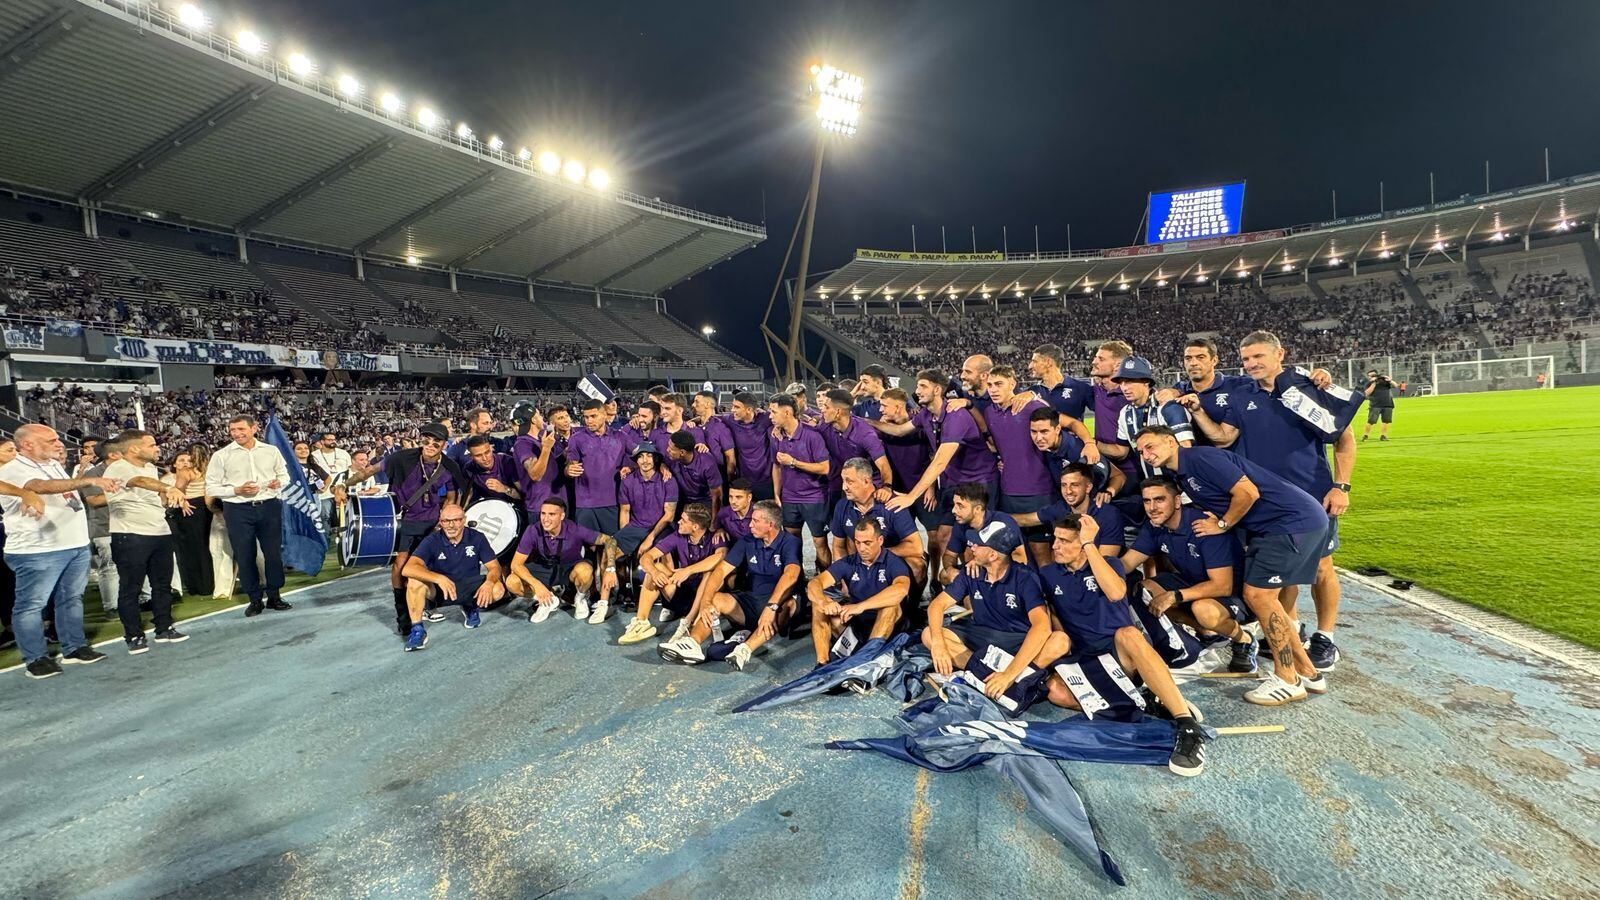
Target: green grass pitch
[{"x": 1489, "y": 498}]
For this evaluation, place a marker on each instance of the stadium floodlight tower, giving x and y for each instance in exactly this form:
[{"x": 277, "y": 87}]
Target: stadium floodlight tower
[{"x": 835, "y": 100}]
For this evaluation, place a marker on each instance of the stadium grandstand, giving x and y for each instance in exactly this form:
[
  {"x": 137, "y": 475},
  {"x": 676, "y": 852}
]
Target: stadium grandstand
[
  {"x": 234, "y": 206},
  {"x": 1504, "y": 275}
]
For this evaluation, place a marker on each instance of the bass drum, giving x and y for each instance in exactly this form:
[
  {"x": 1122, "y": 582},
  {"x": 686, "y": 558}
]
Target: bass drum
[
  {"x": 370, "y": 530},
  {"x": 501, "y": 522}
]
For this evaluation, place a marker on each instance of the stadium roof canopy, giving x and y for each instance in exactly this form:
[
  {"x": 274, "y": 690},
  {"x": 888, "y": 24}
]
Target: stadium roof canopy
[
  {"x": 1421, "y": 235},
  {"x": 115, "y": 104}
]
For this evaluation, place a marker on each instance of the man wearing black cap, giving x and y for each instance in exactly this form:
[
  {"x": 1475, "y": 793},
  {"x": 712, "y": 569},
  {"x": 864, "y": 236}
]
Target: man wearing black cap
[
  {"x": 869, "y": 389},
  {"x": 647, "y": 501},
  {"x": 415, "y": 476}
]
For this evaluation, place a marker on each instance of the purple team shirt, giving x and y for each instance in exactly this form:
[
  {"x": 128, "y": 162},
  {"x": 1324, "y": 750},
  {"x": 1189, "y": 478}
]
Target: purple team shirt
[
  {"x": 973, "y": 463},
  {"x": 646, "y": 499},
  {"x": 1025, "y": 473},
  {"x": 717, "y": 437},
  {"x": 752, "y": 446},
  {"x": 502, "y": 468},
  {"x": 735, "y": 526},
  {"x": 858, "y": 440},
  {"x": 1108, "y": 404},
  {"x": 908, "y": 458},
  {"x": 696, "y": 478},
  {"x": 662, "y": 437},
  {"x": 426, "y": 506},
  {"x": 685, "y": 552},
  {"x": 602, "y": 455},
  {"x": 569, "y": 545},
  {"x": 806, "y": 445},
  {"x": 535, "y": 493}
]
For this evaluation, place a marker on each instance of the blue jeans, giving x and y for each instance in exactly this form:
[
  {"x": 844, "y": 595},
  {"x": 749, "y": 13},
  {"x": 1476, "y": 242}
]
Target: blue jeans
[{"x": 56, "y": 574}]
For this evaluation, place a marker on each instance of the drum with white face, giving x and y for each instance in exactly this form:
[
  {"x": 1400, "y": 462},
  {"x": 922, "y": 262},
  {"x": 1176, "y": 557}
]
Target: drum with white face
[{"x": 500, "y": 522}]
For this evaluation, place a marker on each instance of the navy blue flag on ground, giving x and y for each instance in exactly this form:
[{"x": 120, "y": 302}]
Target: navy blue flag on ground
[
  {"x": 871, "y": 663},
  {"x": 304, "y": 543}
]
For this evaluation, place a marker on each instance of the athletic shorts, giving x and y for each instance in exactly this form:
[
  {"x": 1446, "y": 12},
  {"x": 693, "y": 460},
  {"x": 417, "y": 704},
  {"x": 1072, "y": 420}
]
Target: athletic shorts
[
  {"x": 751, "y": 606},
  {"x": 1176, "y": 645},
  {"x": 761, "y": 490},
  {"x": 466, "y": 590},
  {"x": 1280, "y": 560},
  {"x": 547, "y": 576},
  {"x": 928, "y": 517},
  {"x": 681, "y": 599},
  {"x": 810, "y": 515},
  {"x": 411, "y": 534},
  {"x": 1330, "y": 541},
  {"x": 1380, "y": 413},
  {"x": 629, "y": 537},
  {"x": 976, "y": 637},
  {"x": 1172, "y": 581},
  {"x": 1095, "y": 677},
  {"x": 1027, "y": 503},
  {"x": 601, "y": 519},
  {"x": 862, "y": 623}
]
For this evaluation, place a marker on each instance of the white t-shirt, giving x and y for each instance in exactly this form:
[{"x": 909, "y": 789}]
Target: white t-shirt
[
  {"x": 136, "y": 510},
  {"x": 64, "y": 525}
]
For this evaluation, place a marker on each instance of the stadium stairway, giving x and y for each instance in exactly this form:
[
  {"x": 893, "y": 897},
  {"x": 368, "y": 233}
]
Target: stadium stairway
[
  {"x": 1413, "y": 290},
  {"x": 285, "y": 292}
]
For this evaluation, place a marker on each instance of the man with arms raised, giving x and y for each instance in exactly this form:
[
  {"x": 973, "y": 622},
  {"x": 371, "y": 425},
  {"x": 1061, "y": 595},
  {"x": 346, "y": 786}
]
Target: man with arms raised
[
  {"x": 673, "y": 568},
  {"x": 1283, "y": 532},
  {"x": 454, "y": 564},
  {"x": 771, "y": 559},
  {"x": 862, "y": 590}
]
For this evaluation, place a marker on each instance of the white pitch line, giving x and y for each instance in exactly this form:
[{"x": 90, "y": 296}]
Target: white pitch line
[{"x": 226, "y": 609}]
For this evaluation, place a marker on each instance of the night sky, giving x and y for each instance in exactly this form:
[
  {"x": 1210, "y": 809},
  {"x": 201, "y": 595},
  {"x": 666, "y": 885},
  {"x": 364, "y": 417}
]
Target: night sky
[{"x": 989, "y": 114}]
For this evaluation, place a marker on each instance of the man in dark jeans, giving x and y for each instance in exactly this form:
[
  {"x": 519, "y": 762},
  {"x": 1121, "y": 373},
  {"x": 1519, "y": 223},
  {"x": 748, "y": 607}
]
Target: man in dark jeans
[
  {"x": 141, "y": 540},
  {"x": 246, "y": 476}
]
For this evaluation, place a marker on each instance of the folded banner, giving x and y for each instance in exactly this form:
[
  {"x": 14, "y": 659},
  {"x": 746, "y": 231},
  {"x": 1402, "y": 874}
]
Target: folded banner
[
  {"x": 591, "y": 386},
  {"x": 871, "y": 664},
  {"x": 304, "y": 543}
]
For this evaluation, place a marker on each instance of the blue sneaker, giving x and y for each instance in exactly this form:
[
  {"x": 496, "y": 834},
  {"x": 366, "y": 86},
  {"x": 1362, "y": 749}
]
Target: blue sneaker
[
  {"x": 472, "y": 616},
  {"x": 1323, "y": 653},
  {"x": 417, "y": 639}
]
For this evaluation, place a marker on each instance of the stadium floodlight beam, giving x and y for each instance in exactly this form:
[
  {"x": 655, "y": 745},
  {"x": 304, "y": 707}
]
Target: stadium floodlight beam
[
  {"x": 464, "y": 132},
  {"x": 349, "y": 85},
  {"x": 524, "y": 154},
  {"x": 707, "y": 330},
  {"x": 836, "y": 97},
  {"x": 390, "y": 101},
  {"x": 250, "y": 42},
  {"x": 599, "y": 179},
  {"x": 193, "y": 17},
  {"x": 575, "y": 171},
  {"x": 550, "y": 162},
  {"x": 427, "y": 118},
  {"x": 495, "y": 143},
  {"x": 301, "y": 64}
]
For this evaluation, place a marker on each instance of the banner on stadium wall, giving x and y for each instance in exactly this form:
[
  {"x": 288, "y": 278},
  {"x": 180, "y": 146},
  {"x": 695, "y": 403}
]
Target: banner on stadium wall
[
  {"x": 24, "y": 337},
  {"x": 1144, "y": 250},
  {"x": 529, "y": 365},
  {"x": 907, "y": 256},
  {"x": 344, "y": 360},
  {"x": 215, "y": 353},
  {"x": 64, "y": 328},
  {"x": 486, "y": 365}
]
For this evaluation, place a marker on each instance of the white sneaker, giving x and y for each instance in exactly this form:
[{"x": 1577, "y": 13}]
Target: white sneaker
[
  {"x": 684, "y": 650},
  {"x": 542, "y": 611},
  {"x": 598, "y": 615},
  {"x": 681, "y": 631},
  {"x": 740, "y": 657},
  {"x": 1317, "y": 685},
  {"x": 580, "y": 606},
  {"x": 666, "y": 615},
  {"x": 637, "y": 630},
  {"x": 1274, "y": 691}
]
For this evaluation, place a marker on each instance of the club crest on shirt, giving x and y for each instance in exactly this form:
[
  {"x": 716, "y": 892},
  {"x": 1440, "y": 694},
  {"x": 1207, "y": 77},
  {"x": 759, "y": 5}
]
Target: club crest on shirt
[
  {"x": 472, "y": 551},
  {"x": 1164, "y": 547},
  {"x": 1194, "y": 551},
  {"x": 882, "y": 576},
  {"x": 777, "y": 559},
  {"x": 1011, "y": 601},
  {"x": 1089, "y": 584}
]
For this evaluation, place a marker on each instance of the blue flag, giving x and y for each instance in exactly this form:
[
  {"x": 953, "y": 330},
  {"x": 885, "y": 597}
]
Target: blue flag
[
  {"x": 871, "y": 664},
  {"x": 1328, "y": 411},
  {"x": 304, "y": 543}
]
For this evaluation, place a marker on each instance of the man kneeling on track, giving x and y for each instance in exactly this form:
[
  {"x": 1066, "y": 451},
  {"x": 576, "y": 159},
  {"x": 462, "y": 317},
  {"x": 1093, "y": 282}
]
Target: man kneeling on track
[
  {"x": 1008, "y": 611},
  {"x": 771, "y": 557},
  {"x": 455, "y": 563},
  {"x": 1097, "y": 647},
  {"x": 673, "y": 569},
  {"x": 1201, "y": 581},
  {"x": 550, "y": 559},
  {"x": 861, "y": 592}
]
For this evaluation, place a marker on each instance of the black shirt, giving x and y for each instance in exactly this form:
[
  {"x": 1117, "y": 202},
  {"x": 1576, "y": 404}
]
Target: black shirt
[{"x": 1382, "y": 392}]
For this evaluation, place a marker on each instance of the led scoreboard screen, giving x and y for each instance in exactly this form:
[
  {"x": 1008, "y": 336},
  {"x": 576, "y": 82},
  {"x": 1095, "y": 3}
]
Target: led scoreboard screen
[{"x": 1195, "y": 214}]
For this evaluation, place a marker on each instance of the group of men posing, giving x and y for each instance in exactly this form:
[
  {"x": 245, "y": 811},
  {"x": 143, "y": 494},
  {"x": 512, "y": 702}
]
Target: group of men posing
[{"x": 1060, "y": 562}]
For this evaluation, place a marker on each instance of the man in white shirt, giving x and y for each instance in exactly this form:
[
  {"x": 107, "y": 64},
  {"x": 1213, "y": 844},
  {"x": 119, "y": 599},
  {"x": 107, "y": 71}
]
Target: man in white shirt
[
  {"x": 246, "y": 476},
  {"x": 48, "y": 553},
  {"x": 141, "y": 540},
  {"x": 334, "y": 460}
]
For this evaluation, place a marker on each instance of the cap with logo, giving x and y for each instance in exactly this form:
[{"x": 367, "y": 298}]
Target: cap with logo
[
  {"x": 1135, "y": 368},
  {"x": 999, "y": 537}
]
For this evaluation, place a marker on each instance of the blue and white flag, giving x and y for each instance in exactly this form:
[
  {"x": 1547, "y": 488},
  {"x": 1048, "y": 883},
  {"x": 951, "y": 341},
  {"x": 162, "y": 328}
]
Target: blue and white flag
[
  {"x": 1328, "y": 411},
  {"x": 870, "y": 664},
  {"x": 591, "y": 386},
  {"x": 304, "y": 543}
]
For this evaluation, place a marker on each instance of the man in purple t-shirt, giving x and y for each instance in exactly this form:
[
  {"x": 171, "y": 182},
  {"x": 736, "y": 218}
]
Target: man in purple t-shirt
[
  {"x": 696, "y": 472},
  {"x": 672, "y": 422},
  {"x": 551, "y": 558},
  {"x": 537, "y": 454},
  {"x": 718, "y": 439},
  {"x": 800, "y": 469},
  {"x": 672, "y": 570},
  {"x": 852, "y": 437},
  {"x": 1108, "y": 404},
  {"x": 751, "y": 429},
  {"x": 594, "y": 457},
  {"x": 493, "y": 475},
  {"x": 647, "y": 498},
  {"x": 733, "y": 520},
  {"x": 1024, "y": 477}
]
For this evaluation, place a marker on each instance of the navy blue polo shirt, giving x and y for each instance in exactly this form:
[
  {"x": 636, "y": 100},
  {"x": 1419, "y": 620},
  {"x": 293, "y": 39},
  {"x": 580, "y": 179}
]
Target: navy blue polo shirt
[
  {"x": 863, "y": 582},
  {"x": 868, "y": 408},
  {"x": 896, "y": 525},
  {"x": 1190, "y": 555},
  {"x": 962, "y": 534},
  {"x": 1086, "y": 614},
  {"x": 459, "y": 561},
  {"x": 1000, "y": 605},
  {"x": 1272, "y": 436},
  {"x": 764, "y": 562},
  {"x": 1071, "y": 397},
  {"x": 1207, "y": 475},
  {"x": 1070, "y": 450},
  {"x": 1215, "y": 400},
  {"x": 1108, "y": 517}
]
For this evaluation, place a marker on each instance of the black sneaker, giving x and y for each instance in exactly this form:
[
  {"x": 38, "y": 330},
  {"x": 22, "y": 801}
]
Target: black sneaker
[
  {"x": 137, "y": 645},
  {"x": 278, "y": 605},
  {"x": 83, "y": 656},
  {"x": 1188, "y": 752},
  {"x": 171, "y": 636},
  {"x": 254, "y": 609},
  {"x": 1244, "y": 657},
  {"x": 1324, "y": 655},
  {"x": 43, "y": 667}
]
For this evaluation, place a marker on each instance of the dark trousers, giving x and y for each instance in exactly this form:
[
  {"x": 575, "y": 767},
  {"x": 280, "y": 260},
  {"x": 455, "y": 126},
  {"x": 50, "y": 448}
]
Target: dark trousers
[
  {"x": 139, "y": 556},
  {"x": 250, "y": 524},
  {"x": 192, "y": 535},
  {"x": 8, "y": 593}
]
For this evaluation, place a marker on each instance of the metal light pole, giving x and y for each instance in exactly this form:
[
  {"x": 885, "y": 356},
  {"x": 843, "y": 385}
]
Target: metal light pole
[{"x": 805, "y": 263}]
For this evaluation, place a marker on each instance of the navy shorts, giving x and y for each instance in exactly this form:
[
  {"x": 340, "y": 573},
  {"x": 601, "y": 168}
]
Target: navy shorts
[
  {"x": 1279, "y": 560},
  {"x": 761, "y": 490},
  {"x": 1027, "y": 503},
  {"x": 977, "y": 637},
  {"x": 602, "y": 519},
  {"x": 681, "y": 600},
  {"x": 1172, "y": 581},
  {"x": 629, "y": 537},
  {"x": 466, "y": 589},
  {"x": 751, "y": 606},
  {"x": 1330, "y": 541},
  {"x": 926, "y": 516},
  {"x": 810, "y": 515},
  {"x": 547, "y": 576},
  {"x": 1094, "y": 676}
]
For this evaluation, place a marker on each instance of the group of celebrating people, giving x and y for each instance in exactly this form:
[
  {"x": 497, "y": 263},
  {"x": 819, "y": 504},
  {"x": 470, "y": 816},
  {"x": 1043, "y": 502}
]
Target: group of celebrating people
[{"x": 1047, "y": 558}]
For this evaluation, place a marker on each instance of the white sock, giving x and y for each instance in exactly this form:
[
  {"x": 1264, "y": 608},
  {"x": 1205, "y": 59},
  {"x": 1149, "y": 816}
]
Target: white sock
[{"x": 1325, "y": 634}]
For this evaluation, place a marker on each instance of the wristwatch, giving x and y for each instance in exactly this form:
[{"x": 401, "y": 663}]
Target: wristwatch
[
  {"x": 772, "y": 606},
  {"x": 1223, "y": 524},
  {"x": 1343, "y": 486}
]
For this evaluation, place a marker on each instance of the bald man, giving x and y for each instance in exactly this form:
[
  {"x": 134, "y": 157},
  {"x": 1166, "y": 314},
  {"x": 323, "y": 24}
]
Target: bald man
[{"x": 454, "y": 564}]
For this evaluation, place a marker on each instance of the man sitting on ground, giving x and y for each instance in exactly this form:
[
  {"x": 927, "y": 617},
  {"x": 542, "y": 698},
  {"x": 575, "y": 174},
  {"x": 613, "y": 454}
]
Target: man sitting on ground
[
  {"x": 673, "y": 568},
  {"x": 1008, "y": 611},
  {"x": 550, "y": 561},
  {"x": 452, "y": 565},
  {"x": 861, "y": 591}
]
